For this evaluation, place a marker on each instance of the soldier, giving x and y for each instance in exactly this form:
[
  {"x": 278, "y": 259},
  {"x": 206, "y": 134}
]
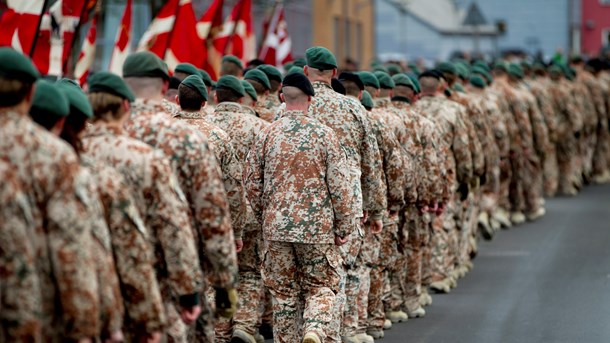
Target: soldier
[
  {"x": 48, "y": 171},
  {"x": 144, "y": 313},
  {"x": 51, "y": 103},
  {"x": 261, "y": 84},
  {"x": 198, "y": 175},
  {"x": 300, "y": 191},
  {"x": 601, "y": 173},
  {"x": 381, "y": 248},
  {"x": 20, "y": 293},
  {"x": 210, "y": 104},
  {"x": 275, "y": 80},
  {"x": 231, "y": 65},
  {"x": 158, "y": 197},
  {"x": 242, "y": 128},
  {"x": 348, "y": 120},
  {"x": 448, "y": 116},
  {"x": 181, "y": 71}
]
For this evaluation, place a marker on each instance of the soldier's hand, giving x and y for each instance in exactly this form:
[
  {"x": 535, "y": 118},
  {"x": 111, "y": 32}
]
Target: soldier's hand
[
  {"x": 339, "y": 241},
  {"x": 226, "y": 302},
  {"x": 154, "y": 337},
  {"x": 376, "y": 226},
  {"x": 239, "y": 245},
  {"x": 365, "y": 217},
  {"x": 189, "y": 315},
  {"x": 440, "y": 209}
]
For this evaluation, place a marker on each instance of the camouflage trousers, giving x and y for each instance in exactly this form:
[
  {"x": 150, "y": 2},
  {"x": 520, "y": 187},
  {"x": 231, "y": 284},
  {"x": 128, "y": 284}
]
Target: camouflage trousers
[
  {"x": 177, "y": 331},
  {"x": 419, "y": 238},
  {"x": 468, "y": 225},
  {"x": 550, "y": 172},
  {"x": 517, "y": 175},
  {"x": 490, "y": 192},
  {"x": 586, "y": 150},
  {"x": 203, "y": 329},
  {"x": 311, "y": 271},
  {"x": 568, "y": 170},
  {"x": 504, "y": 201},
  {"x": 444, "y": 243},
  {"x": 532, "y": 185},
  {"x": 246, "y": 317},
  {"x": 387, "y": 242},
  {"x": 601, "y": 155}
]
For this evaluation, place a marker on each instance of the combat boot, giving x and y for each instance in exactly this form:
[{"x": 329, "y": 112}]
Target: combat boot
[
  {"x": 311, "y": 337},
  {"x": 387, "y": 324},
  {"x": 537, "y": 214},
  {"x": 495, "y": 224},
  {"x": 376, "y": 334},
  {"x": 345, "y": 339},
  {"x": 365, "y": 338},
  {"x": 240, "y": 336},
  {"x": 397, "y": 316},
  {"x": 440, "y": 287},
  {"x": 259, "y": 338},
  {"x": 425, "y": 299},
  {"x": 419, "y": 312},
  {"x": 485, "y": 227},
  {"x": 517, "y": 218},
  {"x": 503, "y": 218}
]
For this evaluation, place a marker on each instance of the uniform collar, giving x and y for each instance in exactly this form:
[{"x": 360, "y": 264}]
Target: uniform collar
[
  {"x": 229, "y": 107},
  {"x": 189, "y": 115}
]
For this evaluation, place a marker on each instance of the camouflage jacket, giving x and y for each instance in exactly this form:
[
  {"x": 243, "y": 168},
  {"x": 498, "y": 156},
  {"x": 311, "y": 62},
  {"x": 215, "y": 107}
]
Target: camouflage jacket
[
  {"x": 297, "y": 182},
  {"x": 540, "y": 131},
  {"x": 20, "y": 293},
  {"x": 265, "y": 112},
  {"x": 426, "y": 150},
  {"x": 47, "y": 169},
  {"x": 585, "y": 101},
  {"x": 595, "y": 88},
  {"x": 354, "y": 132},
  {"x": 200, "y": 178},
  {"x": 539, "y": 88},
  {"x": 472, "y": 111},
  {"x": 170, "y": 107},
  {"x": 231, "y": 168},
  {"x": 133, "y": 256},
  {"x": 569, "y": 119},
  {"x": 448, "y": 116},
  {"x": 159, "y": 201}
]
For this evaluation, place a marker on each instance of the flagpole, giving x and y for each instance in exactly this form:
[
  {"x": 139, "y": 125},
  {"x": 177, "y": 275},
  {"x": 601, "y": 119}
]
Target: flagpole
[
  {"x": 262, "y": 41},
  {"x": 275, "y": 19},
  {"x": 33, "y": 47},
  {"x": 77, "y": 34},
  {"x": 241, "y": 8},
  {"x": 171, "y": 33}
]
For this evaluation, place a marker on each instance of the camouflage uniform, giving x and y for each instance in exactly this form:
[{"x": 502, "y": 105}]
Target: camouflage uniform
[
  {"x": 242, "y": 128},
  {"x": 265, "y": 109},
  {"x": 20, "y": 299},
  {"x": 347, "y": 118},
  {"x": 134, "y": 257},
  {"x": 596, "y": 160},
  {"x": 162, "y": 205},
  {"x": 301, "y": 193},
  {"x": 199, "y": 177},
  {"x": 448, "y": 116},
  {"x": 170, "y": 107},
  {"x": 601, "y": 157},
  {"x": 587, "y": 102},
  {"x": 47, "y": 169}
]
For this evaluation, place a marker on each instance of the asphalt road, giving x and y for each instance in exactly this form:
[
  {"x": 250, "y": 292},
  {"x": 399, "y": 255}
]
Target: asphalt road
[{"x": 547, "y": 281}]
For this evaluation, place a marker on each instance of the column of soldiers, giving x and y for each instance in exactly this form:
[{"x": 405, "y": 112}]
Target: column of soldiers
[{"x": 171, "y": 208}]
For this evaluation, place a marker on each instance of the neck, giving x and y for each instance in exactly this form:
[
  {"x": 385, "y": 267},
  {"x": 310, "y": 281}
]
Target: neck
[
  {"x": 424, "y": 93},
  {"x": 23, "y": 108},
  {"x": 297, "y": 107},
  {"x": 320, "y": 79}
]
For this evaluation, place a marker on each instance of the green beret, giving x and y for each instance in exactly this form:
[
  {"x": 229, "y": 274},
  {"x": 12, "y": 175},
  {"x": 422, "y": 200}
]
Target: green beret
[
  {"x": 484, "y": 73},
  {"x": 403, "y": 80},
  {"x": 186, "y": 68},
  {"x": 380, "y": 68},
  {"x": 385, "y": 80},
  {"x": 145, "y": 64},
  {"x": 195, "y": 83},
  {"x": 299, "y": 62},
  {"x": 394, "y": 69},
  {"x": 258, "y": 76},
  {"x": 206, "y": 78},
  {"x": 447, "y": 67},
  {"x": 234, "y": 60},
  {"x": 538, "y": 66},
  {"x": 414, "y": 68},
  {"x": 295, "y": 69},
  {"x": 230, "y": 82},
  {"x": 415, "y": 81},
  {"x": 477, "y": 81},
  {"x": 501, "y": 65},
  {"x": 367, "y": 100},
  {"x": 271, "y": 72},
  {"x": 249, "y": 89},
  {"x": 459, "y": 88},
  {"x": 515, "y": 70},
  {"x": 76, "y": 97},
  {"x": 320, "y": 58},
  {"x": 287, "y": 66},
  {"x": 526, "y": 65},
  {"x": 462, "y": 70},
  {"x": 482, "y": 64},
  {"x": 16, "y": 66},
  {"x": 49, "y": 100},
  {"x": 555, "y": 69},
  {"x": 299, "y": 81},
  {"x": 369, "y": 79},
  {"x": 107, "y": 82}
]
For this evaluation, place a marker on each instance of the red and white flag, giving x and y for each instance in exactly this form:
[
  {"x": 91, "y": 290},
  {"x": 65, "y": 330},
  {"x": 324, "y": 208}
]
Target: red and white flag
[
  {"x": 185, "y": 44},
  {"x": 208, "y": 27},
  {"x": 122, "y": 43},
  {"x": 237, "y": 36},
  {"x": 87, "y": 54},
  {"x": 277, "y": 46},
  {"x": 56, "y": 36},
  {"x": 156, "y": 38},
  {"x": 19, "y": 23}
]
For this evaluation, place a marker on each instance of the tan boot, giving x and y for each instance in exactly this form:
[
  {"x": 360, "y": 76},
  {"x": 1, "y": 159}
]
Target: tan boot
[
  {"x": 365, "y": 338},
  {"x": 517, "y": 218},
  {"x": 485, "y": 227},
  {"x": 539, "y": 213},
  {"x": 440, "y": 287},
  {"x": 397, "y": 316},
  {"x": 419, "y": 312},
  {"x": 240, "y": 336},
  {"x": 311, "y": 337},
  {"x": 387, "y": 324},
  {"x": 376, "y": 334}
]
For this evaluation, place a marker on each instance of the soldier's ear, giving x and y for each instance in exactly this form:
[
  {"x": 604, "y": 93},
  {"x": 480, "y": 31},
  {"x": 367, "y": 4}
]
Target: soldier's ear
[
  {"x": 177, "y": 99},
  {"x": 360, "y": 95},
  {"x": 203, "y": 104},
  {"x": 165, "y": 86},
  {"x": 282, "y": 97},
  {"x": 306, "y": 70},
  {"x": 334, "y": 73}
]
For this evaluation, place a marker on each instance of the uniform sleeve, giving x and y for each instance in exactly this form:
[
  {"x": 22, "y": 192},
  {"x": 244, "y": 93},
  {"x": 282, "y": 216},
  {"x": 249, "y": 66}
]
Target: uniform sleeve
[
  {"x": 68, "y": 231},
  {"x": 395, "y": 166},
  {"x": 432, "y": 184},
  {"x": 254, "y": 177},
  {"x": 373, "y": 193},
  {"x": 19, "y": 285},
  {"x": 338, "y": 183},
  {"x": 133, "y": 257},
  {"x": 539, "y": 129},
  {"x": 172, "y": 229},
  {"x": 474, "y": 140},
  {"x": 461, "y": 150},
  {"x": 236, "y": 196}
]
